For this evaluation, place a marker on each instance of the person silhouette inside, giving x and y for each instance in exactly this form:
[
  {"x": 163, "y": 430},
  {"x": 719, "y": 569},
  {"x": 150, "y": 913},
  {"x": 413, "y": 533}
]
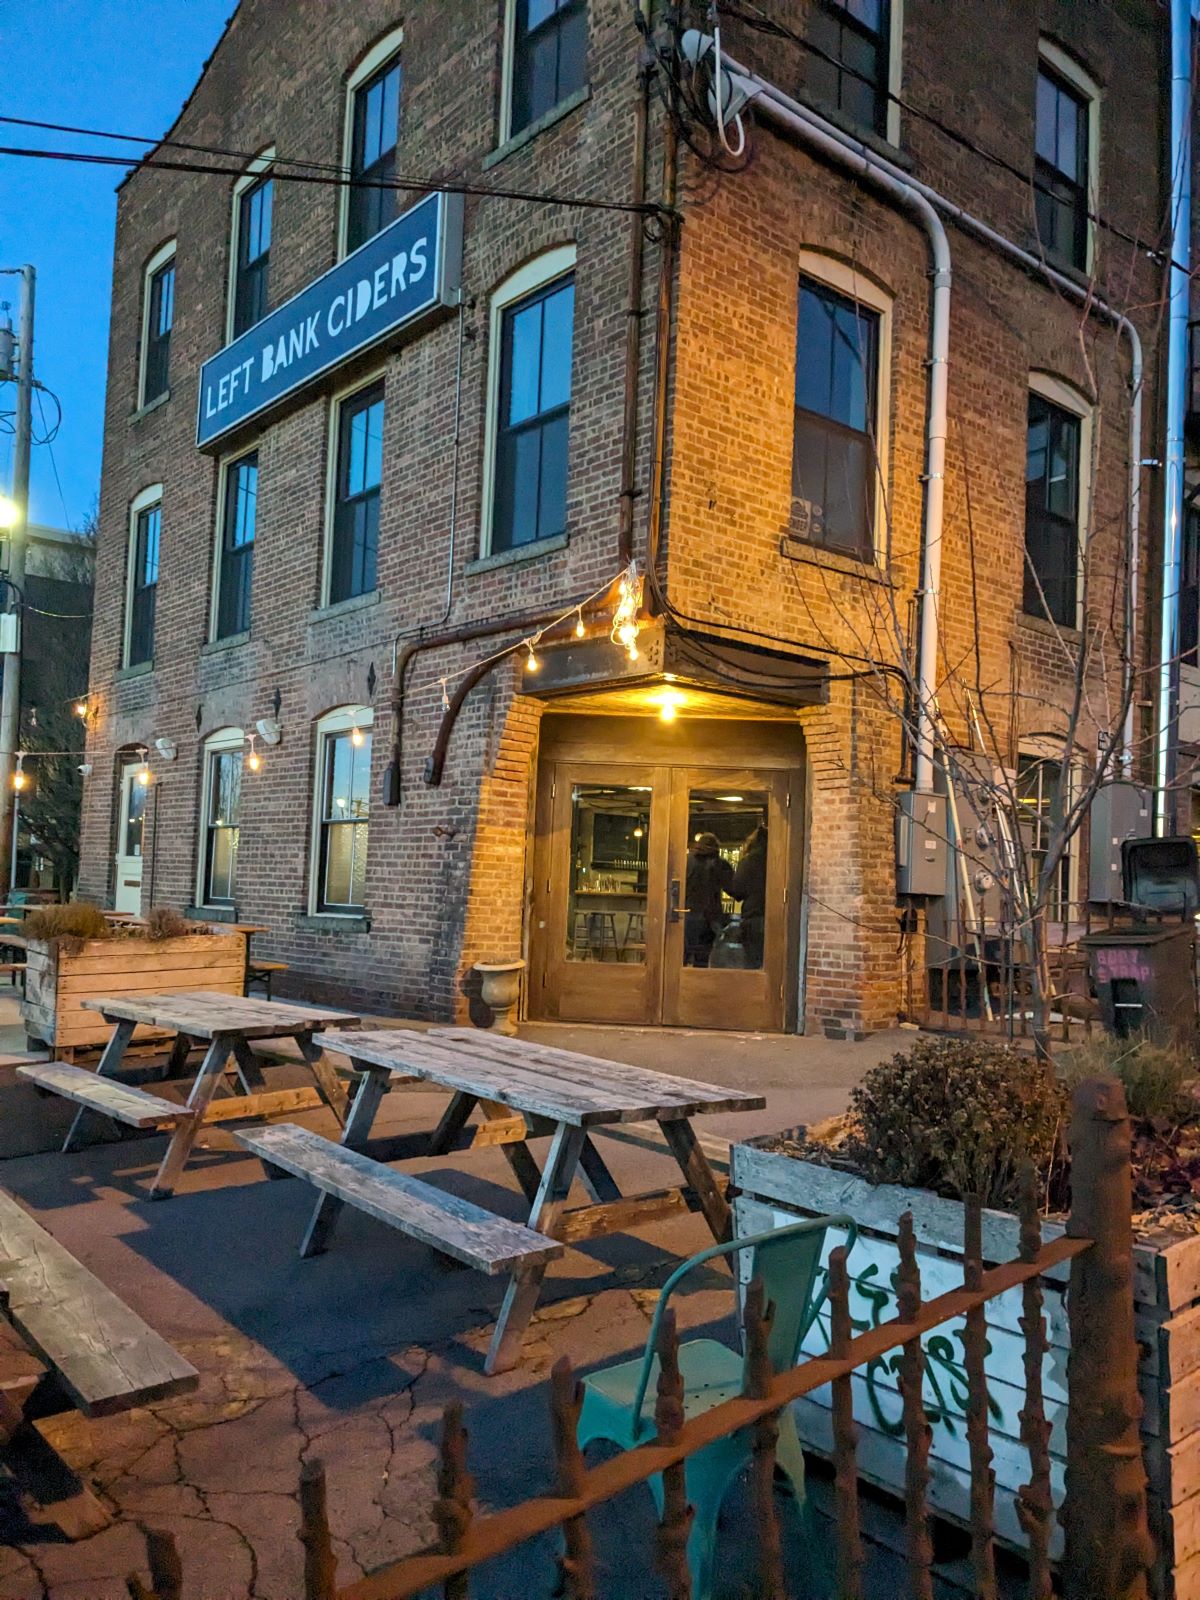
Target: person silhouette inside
[
  {"x": 709, "y": 876},
  {"x": 750, "y": 887}
]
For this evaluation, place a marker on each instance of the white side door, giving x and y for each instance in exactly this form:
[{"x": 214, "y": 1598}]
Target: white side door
[{"x": 128, "y": 892}]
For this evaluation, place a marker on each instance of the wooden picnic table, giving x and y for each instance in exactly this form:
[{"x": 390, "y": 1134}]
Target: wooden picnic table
[
  {"x": 527, "y": 1090},
  {"x": 227, "y": 1023}
]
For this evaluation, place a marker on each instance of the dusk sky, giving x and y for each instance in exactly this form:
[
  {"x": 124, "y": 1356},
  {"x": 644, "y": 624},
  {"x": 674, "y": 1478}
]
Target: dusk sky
[{"x": 110, "y": 65}]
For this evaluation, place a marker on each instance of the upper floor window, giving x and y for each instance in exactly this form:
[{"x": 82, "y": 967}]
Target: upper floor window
[
  {"x": 158, "y": 319},
  {"x": 221, "y": 816},
  {"x": 848, "y": 66},
  {"x": 373, "y": 127},
  {"x": 358, "y": 476},
  {"x": 1189, "y": 591},
  {"x": 1064, "y": 158},
  {"x": 145, "y": 532},
  {"x": 1053, "y": 509},
  {"x": 533, "y": 321},
  {"x": 834, "y": 454},
  {"x": 235, "y": 546},
  {"x": 548, "y": 57},
  {"x": 253, "y": 201},
  {"x": 343, "y": 804}
]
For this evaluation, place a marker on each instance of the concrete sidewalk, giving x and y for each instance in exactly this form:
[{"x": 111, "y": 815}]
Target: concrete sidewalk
[{"x": 351, "y": 1356}]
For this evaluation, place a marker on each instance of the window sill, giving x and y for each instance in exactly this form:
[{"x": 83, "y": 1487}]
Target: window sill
[
  {"x": 356, "y": 602},
  {"x": 1078, "y": 275},
  {"x": 1055, "y": 630},
  {"x": 804, "y": 554},
  {"x": 522, "y": 552},
  {"x": 210, "y": 913},
  {"x": 332, "y": 922},
  {"x": 139, "y": 670},
  {"x": 546, "y": 120},
  {"x": 233, "y": 641},
  {"x": 865, "y": 136},
  {"x": 151, "y": 405}
]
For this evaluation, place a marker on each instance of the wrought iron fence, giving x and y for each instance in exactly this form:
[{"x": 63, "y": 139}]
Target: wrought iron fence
[{"x": 1107, "y": 1547}]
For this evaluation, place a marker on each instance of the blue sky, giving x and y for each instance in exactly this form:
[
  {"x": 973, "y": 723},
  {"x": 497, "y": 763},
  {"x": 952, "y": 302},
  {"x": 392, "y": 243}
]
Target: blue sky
[{"x": 101, "y": 64}]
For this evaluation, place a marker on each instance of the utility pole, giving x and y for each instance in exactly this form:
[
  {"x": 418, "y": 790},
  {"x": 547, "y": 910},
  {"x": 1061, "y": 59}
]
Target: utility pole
[{"x": 10, "y": 692}]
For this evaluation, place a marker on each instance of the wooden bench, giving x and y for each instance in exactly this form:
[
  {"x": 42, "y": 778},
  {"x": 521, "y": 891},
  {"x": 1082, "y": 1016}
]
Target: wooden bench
[
  {"x": 13, "y": 968},
  {"x": 263, "y": 972},
  {"x": 100, "y": 1358},
  {"x": 119, "y": 1101},
  {"x": 454, "y": 1226}
]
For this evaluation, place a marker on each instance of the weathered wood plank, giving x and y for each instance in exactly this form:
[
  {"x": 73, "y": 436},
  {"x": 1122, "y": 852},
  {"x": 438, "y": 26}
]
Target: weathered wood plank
[
  {"x": 269, "y": 1103},
  {"x": 455, "y": 1226},
  {"x": 107, "y": 1358},
  {"x": 120, "y": 1101},
  {"x": 201, "y": 1014}
]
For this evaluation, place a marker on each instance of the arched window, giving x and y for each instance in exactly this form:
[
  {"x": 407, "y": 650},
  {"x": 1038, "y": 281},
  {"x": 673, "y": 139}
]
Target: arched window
[
  {"x": 220, "y": 818},
  {"x": 369, "y": 142},
  {"x": 158, "y": 320},
  {"x": 341, "y": 810},
  {"x": 530, "y": 349},
  {"x": 250, "y": 246},
  {"x": 1058, "y": 456},
  {"x": 141, "y": 581}
]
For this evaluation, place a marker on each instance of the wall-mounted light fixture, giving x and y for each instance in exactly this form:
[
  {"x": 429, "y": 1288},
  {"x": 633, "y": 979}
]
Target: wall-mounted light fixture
[
  {"x": 253, "y": 760},
  {"x": 268, "y": 730},
  {"x": 167, "y": 748}
]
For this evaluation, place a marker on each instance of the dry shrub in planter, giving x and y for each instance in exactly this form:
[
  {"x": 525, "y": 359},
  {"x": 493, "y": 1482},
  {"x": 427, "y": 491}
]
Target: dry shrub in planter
[
  {"x": 958, "y": 1116},
  {"x": 66, "y": 927},
  {"x": 1155, "y": 1076}
]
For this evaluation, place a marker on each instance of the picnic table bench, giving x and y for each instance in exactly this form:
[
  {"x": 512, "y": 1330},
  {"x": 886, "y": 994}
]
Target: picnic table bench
[
  {"x": 67, "y": 1341},
  {"x": 227, "y": 1024},
  {"x": 525, "y": 1091}
]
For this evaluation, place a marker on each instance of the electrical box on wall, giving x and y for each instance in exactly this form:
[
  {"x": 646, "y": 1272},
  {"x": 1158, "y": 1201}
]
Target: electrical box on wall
[
  {"x": 921, "y": 844},
  {"x": 1119, "y": 811},
  {"x": 10, "y": 633}
]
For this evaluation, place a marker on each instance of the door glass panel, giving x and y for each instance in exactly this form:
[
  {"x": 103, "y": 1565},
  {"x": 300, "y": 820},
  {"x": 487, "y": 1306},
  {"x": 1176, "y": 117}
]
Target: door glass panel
[
  {"x": 606, "y": 907},
  {"x": 135, "y": 808},
  {"x": 726, "y": 887}
]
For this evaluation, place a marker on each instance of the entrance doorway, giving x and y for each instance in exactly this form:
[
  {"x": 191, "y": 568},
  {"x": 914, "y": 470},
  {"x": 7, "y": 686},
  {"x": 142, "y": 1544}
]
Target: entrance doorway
[
  {"x": 127, "y": 892},
  {"x": 666, "y": 888}
]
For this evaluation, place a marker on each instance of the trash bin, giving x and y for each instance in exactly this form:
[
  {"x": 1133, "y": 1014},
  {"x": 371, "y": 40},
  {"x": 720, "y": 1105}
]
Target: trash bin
[{"x": 1145, "y": 980}]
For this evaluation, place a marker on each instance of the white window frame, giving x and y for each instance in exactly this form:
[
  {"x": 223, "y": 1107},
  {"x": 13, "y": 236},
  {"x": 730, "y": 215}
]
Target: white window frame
[
  {"x": 340, "y": 720},
  {"x": 261, "y": 164},
  {"x": 149, "y": 496},
  {"x": 1070, "y": 71},
  {"x": 218, "y": 743},
  {"x": 157, "y": 261},
  {"x": 1068, "y": 398},
  {"x": 336, "y": 401},
  {"x": 536, "y": 274},
  {"x": 380, "y": 52},
  {"x": 214, "y": 598},
  {"x": 846, "y": 280},
  {"x": 895, "y": 83},
  {"x": 506, "y": 80}
]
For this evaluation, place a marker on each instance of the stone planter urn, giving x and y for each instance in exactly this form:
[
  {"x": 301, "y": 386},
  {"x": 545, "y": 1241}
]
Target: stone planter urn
[{"x": 500, "y": 988}]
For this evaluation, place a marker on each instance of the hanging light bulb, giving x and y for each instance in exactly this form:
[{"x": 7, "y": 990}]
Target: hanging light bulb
[
  {"x": 81, "y": 709},
  {"x": 580, "y": 630},
  {"x": 144, "y": 775},
  {"x": 625, "y": 624},
  {"x": 254, "y": 760},
  {"x": 445, "y": 697},
  {"x": 669, "y": 702},
  {"x": 20, "y": 776},
  {"x": 531, "y": 661},
  {"x": 356, "y": 736}
]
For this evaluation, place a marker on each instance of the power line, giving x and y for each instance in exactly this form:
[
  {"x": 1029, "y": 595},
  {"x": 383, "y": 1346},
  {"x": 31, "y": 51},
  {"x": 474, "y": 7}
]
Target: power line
[
  {"x": 48, "y": 441},
  {"x": 759, "y": 20},
  {"x": 322, "y": 173}
]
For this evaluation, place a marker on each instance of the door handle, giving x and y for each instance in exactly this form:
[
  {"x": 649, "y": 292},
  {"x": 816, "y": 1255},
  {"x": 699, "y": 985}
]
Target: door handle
[{"x": 674, "y": 909}]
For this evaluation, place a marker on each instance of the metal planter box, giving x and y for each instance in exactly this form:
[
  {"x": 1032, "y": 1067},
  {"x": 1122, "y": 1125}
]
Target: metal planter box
[{"x": 773, "y": 1188}]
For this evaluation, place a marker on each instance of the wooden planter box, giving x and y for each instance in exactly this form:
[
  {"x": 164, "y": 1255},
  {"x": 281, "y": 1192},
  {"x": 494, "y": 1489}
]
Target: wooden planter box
[
  {"x": 773, "y": 1188},
  {"x": 57, "y": 983}
]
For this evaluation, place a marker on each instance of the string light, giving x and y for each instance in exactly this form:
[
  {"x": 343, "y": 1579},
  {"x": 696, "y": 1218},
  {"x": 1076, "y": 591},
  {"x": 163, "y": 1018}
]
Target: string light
[
  {"x": 253, "y": 760},
  {"x": 445, "y": 697},
  {"x": 144, "y": 775},
  {"x": 531, "y": 661},
  {"x": 356, "y": 736},
  {"x": 625, "y": 624},
  {"x": 580, "y": 630},
  {"x": 20, "y": 777}
]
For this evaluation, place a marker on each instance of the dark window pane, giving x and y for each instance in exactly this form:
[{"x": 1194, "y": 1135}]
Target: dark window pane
[
  {"x": 235, "y": 575},
  {"x": 833, "y": 483},
  {"x": 1189, "y": 592},
  {"x": 224, "y": 816},
  {"x": 144, "y": 587},
  {"x": 354, "y": 553},
  {"x": 549, "y": 57},
  {"x": 848, "y": 62},
  {"x": 160, "y": 319},
  {"x": 1061, "y": 169},
  {"x": 1051, "y": 512},
  {"x": 376, "y": 128},
  {"x": 253, "y": 256},
  {"x": 530, "y": 498}
]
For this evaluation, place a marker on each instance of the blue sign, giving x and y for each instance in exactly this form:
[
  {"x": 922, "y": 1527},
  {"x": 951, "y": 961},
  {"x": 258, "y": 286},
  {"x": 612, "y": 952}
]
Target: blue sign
[{"x": 408, "y": 270}]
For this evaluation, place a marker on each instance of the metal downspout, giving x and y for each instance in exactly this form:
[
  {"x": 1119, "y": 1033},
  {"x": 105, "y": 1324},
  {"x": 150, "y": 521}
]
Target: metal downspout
[
  {"x": 1177, "y": 357},
  {"x": 909, "y": 199},
  {"x": 769, "y": 97}
]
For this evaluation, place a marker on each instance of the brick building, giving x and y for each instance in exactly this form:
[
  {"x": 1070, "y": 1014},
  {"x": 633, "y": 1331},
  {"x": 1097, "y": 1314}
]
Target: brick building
[{"x": 432, "y": 431}]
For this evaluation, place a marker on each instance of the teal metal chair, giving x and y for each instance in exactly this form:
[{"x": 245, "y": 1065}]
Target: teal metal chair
[{"x": 618, "y": 1403}]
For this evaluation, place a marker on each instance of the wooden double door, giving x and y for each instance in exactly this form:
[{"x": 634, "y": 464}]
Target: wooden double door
[{"x": 666, "y": 891}]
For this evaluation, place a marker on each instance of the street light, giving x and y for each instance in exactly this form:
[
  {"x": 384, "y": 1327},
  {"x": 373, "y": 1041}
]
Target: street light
[{"x": 10, "y": 512}]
